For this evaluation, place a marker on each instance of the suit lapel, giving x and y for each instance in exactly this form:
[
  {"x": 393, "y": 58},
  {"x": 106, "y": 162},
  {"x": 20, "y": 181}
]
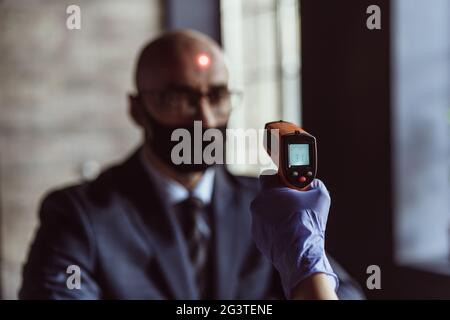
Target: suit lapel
[
  {"x": 225, "y": 207},
  {"x": 156, "y": 223}
]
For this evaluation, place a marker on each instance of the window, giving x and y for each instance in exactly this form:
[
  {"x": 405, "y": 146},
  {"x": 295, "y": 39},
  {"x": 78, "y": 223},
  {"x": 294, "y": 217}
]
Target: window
[{"x": 261, "y": 39}]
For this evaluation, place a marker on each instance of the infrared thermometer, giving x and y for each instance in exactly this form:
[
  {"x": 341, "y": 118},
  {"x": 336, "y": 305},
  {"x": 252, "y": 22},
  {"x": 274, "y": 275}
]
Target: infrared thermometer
[{"x": 295, "y": 153}]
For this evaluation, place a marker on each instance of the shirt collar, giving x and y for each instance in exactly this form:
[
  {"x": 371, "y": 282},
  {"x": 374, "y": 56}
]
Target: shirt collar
[{"x": 173, "y": 192}]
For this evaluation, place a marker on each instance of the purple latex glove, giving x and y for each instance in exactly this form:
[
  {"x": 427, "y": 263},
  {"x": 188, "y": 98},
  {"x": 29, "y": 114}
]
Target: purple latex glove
[{"x": 288, "y": 227}]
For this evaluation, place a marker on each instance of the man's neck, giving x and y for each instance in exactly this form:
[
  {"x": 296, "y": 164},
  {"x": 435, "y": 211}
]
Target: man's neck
[{"x": 189, "y": 179}]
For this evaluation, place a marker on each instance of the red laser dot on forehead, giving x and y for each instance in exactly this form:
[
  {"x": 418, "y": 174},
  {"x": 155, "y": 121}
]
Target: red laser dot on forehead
[{"x": 203, "y": 60}]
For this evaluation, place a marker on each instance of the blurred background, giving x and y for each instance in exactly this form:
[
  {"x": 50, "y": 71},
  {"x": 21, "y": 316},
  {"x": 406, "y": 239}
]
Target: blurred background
[{"x": 378, "y": 102}]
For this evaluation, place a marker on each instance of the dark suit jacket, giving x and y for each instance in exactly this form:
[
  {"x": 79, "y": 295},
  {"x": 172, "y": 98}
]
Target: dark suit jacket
[{"x": 128, "y": 245}]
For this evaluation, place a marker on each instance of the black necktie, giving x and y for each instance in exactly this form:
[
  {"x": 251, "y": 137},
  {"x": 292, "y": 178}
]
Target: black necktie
[{"x": 197, "y": 233}]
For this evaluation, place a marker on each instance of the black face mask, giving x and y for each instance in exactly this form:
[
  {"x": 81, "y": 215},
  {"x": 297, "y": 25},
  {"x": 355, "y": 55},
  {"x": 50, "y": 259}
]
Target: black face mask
[{"x": 159, "y": 140}]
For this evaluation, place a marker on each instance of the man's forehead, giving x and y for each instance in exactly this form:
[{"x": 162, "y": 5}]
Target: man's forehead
[
  {"x": 186, "y": 58},
  {"x": 190, "y": 83},
  {"x": 196, "y": 71}
]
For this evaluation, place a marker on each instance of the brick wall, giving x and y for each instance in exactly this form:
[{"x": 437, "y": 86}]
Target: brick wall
[{"x": 62, "y": 104}]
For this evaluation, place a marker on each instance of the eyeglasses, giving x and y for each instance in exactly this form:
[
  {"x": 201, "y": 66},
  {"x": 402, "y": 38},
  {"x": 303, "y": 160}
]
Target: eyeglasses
[{"x": 185, "y": 102}]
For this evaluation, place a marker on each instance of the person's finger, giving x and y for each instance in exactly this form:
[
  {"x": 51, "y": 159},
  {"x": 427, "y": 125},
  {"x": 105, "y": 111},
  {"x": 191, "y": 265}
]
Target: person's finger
[
  {"x": 317, "y": 184},
  {"x": 270, "y": 180}
]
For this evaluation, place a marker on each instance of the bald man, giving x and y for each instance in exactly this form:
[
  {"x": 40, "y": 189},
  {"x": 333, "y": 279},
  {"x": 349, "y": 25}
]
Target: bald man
[{"x": 150, "y": 228}]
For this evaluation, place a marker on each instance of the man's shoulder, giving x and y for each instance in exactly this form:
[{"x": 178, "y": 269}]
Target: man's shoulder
[
  {"x": 108, "y": 186},
  {"x": 99, "y": 191},
  {"x": 104, "y": 187}
]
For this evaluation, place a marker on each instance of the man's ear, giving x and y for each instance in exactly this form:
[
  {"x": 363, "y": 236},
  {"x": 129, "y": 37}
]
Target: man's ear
[{"x": 135, "y": 109}]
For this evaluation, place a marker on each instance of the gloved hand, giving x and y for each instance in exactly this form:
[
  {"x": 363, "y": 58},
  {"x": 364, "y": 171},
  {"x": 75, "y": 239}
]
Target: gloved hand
[{"x": 288, "y": 227}]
